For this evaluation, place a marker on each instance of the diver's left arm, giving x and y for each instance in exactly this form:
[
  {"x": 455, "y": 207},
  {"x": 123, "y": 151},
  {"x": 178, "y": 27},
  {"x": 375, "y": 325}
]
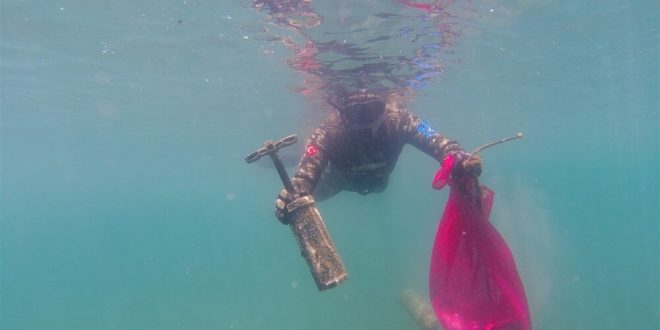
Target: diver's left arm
[{"x": 419, "y": 133}]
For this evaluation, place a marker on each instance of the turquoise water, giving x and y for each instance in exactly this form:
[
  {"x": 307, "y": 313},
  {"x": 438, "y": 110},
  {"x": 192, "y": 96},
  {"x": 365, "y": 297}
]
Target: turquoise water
[{"x": 126, "y": 203}]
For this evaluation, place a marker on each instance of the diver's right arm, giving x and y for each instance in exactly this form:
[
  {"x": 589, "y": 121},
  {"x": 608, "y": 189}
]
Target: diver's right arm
[{"x": 313, "y": 162}]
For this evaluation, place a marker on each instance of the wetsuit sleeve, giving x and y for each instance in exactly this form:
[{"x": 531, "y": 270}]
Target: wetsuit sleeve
[
  {"x": 313, "y": 161},
  {"x": 418, "y": 133}
]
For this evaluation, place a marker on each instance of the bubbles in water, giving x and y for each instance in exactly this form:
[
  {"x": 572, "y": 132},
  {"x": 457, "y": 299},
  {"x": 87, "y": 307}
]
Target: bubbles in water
[
  {"x": 230, "y": 196},
  {"x": 294, "y": 284}
]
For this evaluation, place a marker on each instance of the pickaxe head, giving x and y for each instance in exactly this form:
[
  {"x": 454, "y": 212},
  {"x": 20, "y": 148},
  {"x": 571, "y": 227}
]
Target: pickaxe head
[{"x": 270, "y": 148}]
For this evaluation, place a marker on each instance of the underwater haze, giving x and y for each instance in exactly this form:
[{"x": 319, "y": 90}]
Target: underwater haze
[{"x": 126, "y": 202}]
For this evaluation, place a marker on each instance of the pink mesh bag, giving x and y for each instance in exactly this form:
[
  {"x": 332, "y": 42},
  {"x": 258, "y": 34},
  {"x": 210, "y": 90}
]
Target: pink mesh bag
[{"x": 474, "y": 283}]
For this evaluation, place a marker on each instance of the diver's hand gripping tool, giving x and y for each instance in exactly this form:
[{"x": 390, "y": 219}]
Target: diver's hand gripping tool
[{"x": 306, "y": 223}]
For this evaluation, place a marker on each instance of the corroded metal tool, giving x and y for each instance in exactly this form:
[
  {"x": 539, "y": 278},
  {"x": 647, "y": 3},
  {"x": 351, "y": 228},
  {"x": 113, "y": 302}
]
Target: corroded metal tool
[{"x": 306, "y": 223}]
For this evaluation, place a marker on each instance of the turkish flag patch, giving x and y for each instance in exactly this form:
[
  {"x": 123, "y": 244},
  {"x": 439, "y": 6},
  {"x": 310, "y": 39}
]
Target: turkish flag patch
[{"x": 311, "y": 150}]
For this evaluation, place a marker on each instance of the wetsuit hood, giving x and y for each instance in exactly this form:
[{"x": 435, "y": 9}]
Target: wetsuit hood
[{"x": 362, "y": 109}]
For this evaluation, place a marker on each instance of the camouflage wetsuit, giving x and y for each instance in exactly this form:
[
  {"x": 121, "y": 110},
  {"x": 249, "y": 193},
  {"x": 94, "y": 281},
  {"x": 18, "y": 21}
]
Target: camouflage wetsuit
[{"x": 341, "y": 158}]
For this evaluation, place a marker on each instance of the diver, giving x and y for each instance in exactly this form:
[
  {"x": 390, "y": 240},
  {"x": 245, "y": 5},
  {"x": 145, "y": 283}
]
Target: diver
[{"x": 357, "y": 146}]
